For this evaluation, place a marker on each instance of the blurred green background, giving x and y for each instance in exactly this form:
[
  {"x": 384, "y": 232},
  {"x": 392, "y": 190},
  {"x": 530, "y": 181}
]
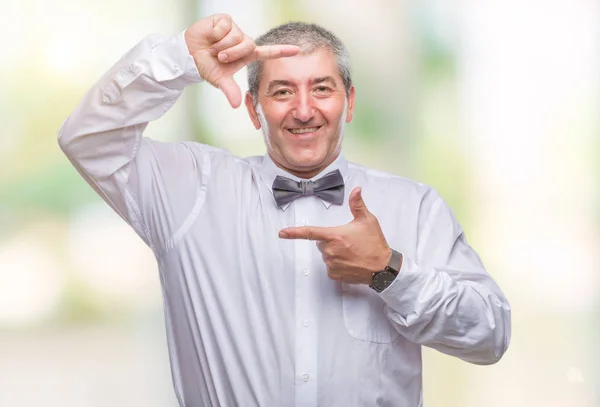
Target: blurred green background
[{"x": 494, "y": 103}]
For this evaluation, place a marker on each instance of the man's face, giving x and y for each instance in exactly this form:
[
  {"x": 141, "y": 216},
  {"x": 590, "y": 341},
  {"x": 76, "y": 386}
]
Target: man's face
[{"x": 302, "y": 108}]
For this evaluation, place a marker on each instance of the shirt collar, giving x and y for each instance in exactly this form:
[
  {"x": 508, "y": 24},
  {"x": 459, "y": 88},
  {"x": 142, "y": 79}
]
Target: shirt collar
[{"x": 269, "y": 170}]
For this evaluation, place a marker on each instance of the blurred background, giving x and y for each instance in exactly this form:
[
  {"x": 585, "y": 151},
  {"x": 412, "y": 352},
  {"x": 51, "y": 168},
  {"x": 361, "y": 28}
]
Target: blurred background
[{"x": 494, "y": 103}]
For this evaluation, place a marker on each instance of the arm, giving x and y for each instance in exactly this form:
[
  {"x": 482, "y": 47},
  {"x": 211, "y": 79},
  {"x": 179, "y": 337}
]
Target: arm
[
  {"x": 103, "y": 136},
  {"x": 156, "y": 186},
  {"x": 444, "y": 298}
]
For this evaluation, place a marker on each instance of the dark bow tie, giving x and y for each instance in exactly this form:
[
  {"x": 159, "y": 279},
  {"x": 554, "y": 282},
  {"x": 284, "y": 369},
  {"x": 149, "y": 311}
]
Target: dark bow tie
[{"x": 330, "y": 188}]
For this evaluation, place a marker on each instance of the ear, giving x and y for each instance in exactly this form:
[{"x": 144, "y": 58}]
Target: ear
[
  {"x": 350, "y": 112},
  {"x": 252, "y": 110}
]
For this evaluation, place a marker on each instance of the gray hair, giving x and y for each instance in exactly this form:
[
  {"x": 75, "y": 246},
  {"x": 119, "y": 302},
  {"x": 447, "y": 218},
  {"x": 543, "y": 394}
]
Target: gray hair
[{"x": 309, "y": 37}]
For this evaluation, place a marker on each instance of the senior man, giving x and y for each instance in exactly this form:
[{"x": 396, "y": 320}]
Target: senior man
[{"x": 295, "y": 278}]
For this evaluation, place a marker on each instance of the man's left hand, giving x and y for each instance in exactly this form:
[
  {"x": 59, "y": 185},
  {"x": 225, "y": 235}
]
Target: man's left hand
[{"x": 351, "y": 252}]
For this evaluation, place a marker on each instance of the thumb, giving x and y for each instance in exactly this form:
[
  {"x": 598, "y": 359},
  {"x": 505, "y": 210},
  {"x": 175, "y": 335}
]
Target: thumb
[
  {"x": 357, "y": 205},
  {"x": 231, "y": 90}
]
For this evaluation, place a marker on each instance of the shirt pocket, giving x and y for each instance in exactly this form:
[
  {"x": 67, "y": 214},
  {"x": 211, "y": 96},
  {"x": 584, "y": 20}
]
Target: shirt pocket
[{"x": 364, "y": 314}]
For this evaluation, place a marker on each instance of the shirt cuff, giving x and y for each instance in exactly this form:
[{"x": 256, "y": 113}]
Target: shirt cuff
[
  {"x": 171, "y": 61},
  {"x": 401, "y": 295}
]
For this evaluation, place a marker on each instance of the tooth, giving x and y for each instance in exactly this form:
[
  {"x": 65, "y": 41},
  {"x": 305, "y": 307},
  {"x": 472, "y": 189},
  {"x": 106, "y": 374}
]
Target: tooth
[{"x": 307, "y": 130}]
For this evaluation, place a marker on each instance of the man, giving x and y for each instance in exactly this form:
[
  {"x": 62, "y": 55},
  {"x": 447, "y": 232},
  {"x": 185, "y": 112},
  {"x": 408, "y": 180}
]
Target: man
[{"x": 293, "y": 279}]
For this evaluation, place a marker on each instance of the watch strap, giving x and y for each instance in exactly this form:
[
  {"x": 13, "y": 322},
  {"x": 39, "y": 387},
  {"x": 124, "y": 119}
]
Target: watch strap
[{"x": 395, "y": 262}]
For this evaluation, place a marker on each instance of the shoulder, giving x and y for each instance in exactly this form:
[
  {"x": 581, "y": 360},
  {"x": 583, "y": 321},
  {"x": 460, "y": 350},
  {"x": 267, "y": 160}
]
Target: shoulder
[
  {"x": 413, "y": 196},
  {"x": 377, "y": 181},
  {"x": 219, "y": 155}
]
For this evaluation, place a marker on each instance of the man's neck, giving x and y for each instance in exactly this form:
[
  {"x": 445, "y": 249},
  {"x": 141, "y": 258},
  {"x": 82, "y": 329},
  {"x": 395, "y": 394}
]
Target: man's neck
[{"x": 309, "y": 172}]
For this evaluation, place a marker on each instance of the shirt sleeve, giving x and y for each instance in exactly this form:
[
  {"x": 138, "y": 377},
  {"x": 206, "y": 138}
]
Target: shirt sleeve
[
  {"x": 153, "y": 186},
  {"x": 444, "y": 298}
]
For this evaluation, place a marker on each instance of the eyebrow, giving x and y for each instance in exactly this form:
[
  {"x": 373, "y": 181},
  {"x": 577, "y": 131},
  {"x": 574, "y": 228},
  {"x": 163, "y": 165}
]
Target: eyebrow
[
  {"x": 280, "y": 82},
  {"x": 322, "y": 79},
  {"x": 276, "y": 83}
]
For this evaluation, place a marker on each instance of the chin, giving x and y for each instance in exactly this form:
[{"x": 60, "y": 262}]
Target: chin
[{"x": 307, "y": 161}]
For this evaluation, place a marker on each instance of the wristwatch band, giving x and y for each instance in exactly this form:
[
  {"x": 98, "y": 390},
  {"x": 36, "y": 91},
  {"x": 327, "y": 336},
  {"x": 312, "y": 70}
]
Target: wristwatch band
[{"x": 395, "y": 261}]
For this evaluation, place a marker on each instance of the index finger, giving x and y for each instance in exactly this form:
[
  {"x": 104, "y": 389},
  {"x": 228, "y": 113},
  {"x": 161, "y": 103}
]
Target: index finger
[
  {"x": 274, "y": 51},
  {"x": 307, "y": 233}
]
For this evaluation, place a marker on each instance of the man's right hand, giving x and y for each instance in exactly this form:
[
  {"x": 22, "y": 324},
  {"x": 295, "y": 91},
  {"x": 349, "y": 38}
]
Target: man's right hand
[{"x": 220, "y": 49}]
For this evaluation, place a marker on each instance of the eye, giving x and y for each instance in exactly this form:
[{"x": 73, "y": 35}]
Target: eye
[
  {"x": 322, "y": 89},
  {"x": 282, "y": 92}
]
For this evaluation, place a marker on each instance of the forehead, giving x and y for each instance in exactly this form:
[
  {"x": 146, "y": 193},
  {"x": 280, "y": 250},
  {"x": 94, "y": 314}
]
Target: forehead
[{"x": 301, "y": 68}]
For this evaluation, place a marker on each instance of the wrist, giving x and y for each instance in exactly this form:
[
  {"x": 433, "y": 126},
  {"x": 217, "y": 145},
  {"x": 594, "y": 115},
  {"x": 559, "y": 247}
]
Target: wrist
[
  {"x": 190, "y": 43},
  {"x": 383, "y": 278},
  {"x": 384, "y": 259}
]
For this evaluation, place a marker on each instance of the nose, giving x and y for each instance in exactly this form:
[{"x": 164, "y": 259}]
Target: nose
[{"x": 304, "y": 109}]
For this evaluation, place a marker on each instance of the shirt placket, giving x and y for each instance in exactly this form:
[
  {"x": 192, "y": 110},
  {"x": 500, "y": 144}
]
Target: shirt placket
[{"x": 306, "y": 309}]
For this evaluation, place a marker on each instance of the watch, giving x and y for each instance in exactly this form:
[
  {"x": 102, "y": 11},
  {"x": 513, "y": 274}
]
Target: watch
[{"x": 384, "y": 278}]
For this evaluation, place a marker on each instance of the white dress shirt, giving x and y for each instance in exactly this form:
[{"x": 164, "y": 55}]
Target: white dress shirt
[{"x": 252, "y": 319}]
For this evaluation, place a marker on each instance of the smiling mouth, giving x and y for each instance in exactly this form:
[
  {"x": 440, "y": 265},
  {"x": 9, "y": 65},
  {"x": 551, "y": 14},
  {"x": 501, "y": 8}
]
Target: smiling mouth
[{"x": 304, "y": 130}]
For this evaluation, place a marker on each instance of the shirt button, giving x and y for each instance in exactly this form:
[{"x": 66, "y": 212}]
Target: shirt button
[
  {"x": 175, "y": 68},
  {"x": 305, "y": 322},
  {"x": 304, "y": 222},
  {"x": 305, "y": 377},
  {"x": 305, "y": 272}
]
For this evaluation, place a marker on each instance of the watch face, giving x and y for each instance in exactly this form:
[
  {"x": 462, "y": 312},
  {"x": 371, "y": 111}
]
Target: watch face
[{"x": 383, "y": 280}]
